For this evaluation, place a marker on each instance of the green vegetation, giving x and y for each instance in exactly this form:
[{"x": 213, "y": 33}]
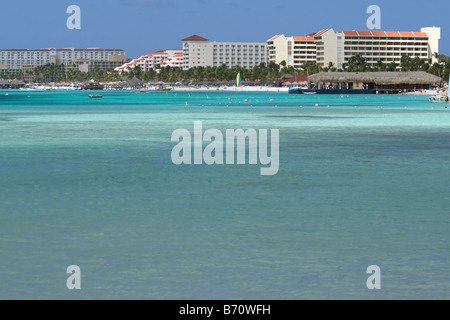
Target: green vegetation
[
  {"x": 261, "y": 73},
  {"x": 56, "y": 73},
  {"x": 440, "y": 68}
]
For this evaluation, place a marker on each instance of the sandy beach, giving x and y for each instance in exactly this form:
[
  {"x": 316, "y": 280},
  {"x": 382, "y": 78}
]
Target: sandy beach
[{"x": 238, "y": 89}]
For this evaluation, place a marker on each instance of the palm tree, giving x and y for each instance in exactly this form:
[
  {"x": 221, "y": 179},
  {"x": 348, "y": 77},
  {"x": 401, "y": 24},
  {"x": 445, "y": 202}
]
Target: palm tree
[
  {"x": 310, "y": 68},
  {"x": 331, "y": 67},
  {"x": 357, "y": 63},
  {"x": 380, "y": 66},
  {"x": 391, "y": 67}
]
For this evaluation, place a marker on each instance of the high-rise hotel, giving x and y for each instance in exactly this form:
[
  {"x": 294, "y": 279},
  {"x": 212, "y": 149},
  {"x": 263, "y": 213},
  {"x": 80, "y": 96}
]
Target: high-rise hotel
[
  {"x": 198, "y": 51},
  {"x": 18, "y": 59},
  {"x": 328, "y": 46}
]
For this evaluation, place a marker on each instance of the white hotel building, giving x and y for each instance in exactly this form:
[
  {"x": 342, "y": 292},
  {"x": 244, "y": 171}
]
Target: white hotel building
[
  {"x": 338, "y": 47},
  {"x": 18, "y": 58},
  {"x": 198, "y": 51}
]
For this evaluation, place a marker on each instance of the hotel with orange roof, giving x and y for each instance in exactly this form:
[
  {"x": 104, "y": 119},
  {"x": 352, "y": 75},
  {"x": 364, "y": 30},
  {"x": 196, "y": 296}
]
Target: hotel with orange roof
[
  {"x": 328, "y": 46},
  {"x": 174, "y": 60},
  {"x": 296, "y": 51}
]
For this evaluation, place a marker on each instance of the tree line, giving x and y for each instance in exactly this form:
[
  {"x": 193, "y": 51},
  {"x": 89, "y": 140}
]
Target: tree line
[
  {"x": 439, "y": 68},
  {"x": 262, "y": 73}
]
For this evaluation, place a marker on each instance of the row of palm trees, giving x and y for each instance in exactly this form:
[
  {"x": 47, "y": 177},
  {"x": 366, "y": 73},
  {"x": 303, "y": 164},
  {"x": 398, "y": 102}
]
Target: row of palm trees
[
  {"x": 273, "y": 71},
  {"x": 262, "y": 72},
  {"x": 57, "y": 73},
  {"x": 358, "y": 63}
]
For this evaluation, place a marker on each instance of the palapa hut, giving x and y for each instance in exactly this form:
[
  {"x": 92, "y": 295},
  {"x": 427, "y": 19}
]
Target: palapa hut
[
  {"x": 11, "y": 84},
  {"x": 4, "y": 84},
  {"x": 135, "y": 83},
  {"x": 377, "y": 82}
]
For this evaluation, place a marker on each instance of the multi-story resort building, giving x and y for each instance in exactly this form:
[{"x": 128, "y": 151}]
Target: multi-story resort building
[
  {"x": 295, "y": 51},
  {"x": 374, "y": 46},
  {"x": 17, "y": 58},
  {"x": 198, "y": 51},
  {"x": 86, "y": 65},
  {"x": 163, "y": 58},
  {"x": 174, "y": 60},
  {"x": 338, "y": 47}
]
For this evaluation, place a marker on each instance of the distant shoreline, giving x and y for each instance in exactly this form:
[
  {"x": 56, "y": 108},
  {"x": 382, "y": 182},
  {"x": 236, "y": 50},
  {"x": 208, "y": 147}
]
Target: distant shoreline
[
  {"x": 172, "y": 88},
  {"x": 237, "y": 89}
]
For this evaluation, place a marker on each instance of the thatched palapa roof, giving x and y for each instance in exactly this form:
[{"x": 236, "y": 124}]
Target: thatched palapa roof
[
  {"x": 12, "y": 82},
  {"x": 379, "y": 78},
  {"x": 135, "y": 81},
  {"x": 17, "y": 82}
]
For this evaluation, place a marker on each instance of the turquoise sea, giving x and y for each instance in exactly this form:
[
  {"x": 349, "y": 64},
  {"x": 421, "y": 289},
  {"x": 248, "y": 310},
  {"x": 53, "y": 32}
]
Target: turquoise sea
[{"x": 363, "y": 180}]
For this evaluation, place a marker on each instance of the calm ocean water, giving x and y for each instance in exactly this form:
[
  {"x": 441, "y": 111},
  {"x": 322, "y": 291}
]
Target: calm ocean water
[{"x": 363, "y": 180}]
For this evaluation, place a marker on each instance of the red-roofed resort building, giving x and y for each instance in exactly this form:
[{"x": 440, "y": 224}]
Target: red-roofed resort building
[
  {"x": 163, "y": 58},
  {"x": 295, "y": 51},
  {"x": 329, "y": 46}
]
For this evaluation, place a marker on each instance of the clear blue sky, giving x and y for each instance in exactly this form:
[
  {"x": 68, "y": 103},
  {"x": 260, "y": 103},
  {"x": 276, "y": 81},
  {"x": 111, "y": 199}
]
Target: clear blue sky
[{"x": 143, "y": 26}]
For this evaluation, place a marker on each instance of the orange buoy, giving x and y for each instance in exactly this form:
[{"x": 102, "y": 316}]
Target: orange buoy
[
  {"x": 245, "y": 100},
  {"x": 317, "y": 104},
  {"x": 271, "y": 100}
]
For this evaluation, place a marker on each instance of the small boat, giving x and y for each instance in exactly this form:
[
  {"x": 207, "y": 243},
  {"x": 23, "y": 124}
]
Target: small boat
[
  {"x": 163, "y": 89},
  {"x": 95, "y": 96},
  {"x": 161, "y": 86},
  {"x": 296, "y": 89}
]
